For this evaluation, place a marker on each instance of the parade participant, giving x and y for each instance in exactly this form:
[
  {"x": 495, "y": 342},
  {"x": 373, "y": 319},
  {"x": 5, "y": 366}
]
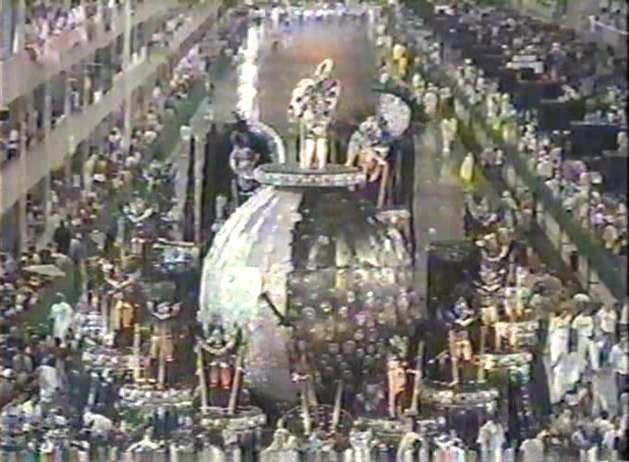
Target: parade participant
[
  {"x": 122, "y": 318},
  {"x": 513, "y": 306},
  {"x": 610, "y": 442},
  {"x": 62, "y": 237},
  {"x": 49, "y": 383},
  {"x": 61, "y": 318},
  {"x": 448, "y": 133},
  {"x": 532, "y": 449},
  {"x": 98, "y": 425},
  {"x": 23, "y": 366},
  {"x": 491, "y": 437},
  {"x": 7, "y": 386},
  {"x": 419, "y": 86},
  {"x": 587, "y": 450},
  {"x": 607, "y": 320},
  {"x": 396, "y": 374},
  {"x": 461, "y": 354},
  {"x": 558, "y": 336},
  {"x": 431, "y": 100},
  {"x": 243, "y": 161},
  {"x": 583, "y": 326},
  {"x": 619, "y": 361},
  {"x": 466, "y": 172}
]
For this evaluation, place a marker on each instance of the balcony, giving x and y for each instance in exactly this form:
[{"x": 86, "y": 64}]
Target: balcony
[
  {"x": 20, "y": 75},
  {"x": 22, "y": 174}
]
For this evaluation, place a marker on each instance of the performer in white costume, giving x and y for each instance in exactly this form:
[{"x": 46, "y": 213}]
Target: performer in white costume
[
  {"x": 491, "y": 437},
  {"x": 448, "y": 133},
  {"x": 62, "y": 317},
  {"x": 431, "y": 100},
  {"x": 313, "y": 104},
  {"x": 466, "y": 172}
]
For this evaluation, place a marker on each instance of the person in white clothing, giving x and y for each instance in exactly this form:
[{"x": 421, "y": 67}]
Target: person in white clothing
[
  {"x": 431, "y": 100},
  {"x": 491, "y": 437},
  {"x": 608, "y": 445},
  {"x": 619, "y": 361},
  {"x": 49, "y": 382},
  {"x": 558, "y": 337},
  {"x": 98, "y": 424},
  {"x": 61, "y": 317},
  {"x": 448, "y": 133},
  {"x": 606, "y": 320},
  {"x": 532, "y": 449},
  {"x": 583, "y": 325}
]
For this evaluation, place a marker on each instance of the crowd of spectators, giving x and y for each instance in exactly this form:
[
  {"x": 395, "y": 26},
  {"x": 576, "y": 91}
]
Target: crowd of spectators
[
  {"x": 121, "y": 183},
  {"x": 83, "y": 227},
  {"x": 586, "y": 355},
  {"x": 592, "y": 198},
  {"x": 47, "y": 23},
  {"x": 576, "y": 186},
  {"x": 612, "y": 13}
]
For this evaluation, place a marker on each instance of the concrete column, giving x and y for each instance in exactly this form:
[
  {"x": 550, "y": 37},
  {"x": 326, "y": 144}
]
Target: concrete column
[
  {"x": 67, "y": 166},
  {"x": 6, "y": 29},
  {"x": 45, "y": 193},
  {"x": 113, "y": 14},
  {"x": 111, "y": 57},
  {"x": 30, "y": 109},
  {"x": 128, "y": 26},
  {"x": 47, "y": 128},
  {"x": 199, "y": 164},
  {"x": 584, "y": 273},
  {"x": 20, "y": 207},
  {"x": 22, "y": 236},
  {"x": 554, "y": 232},
  {"x": 47, "y": 110},
  {"x": 128, "y": 113},
  {"x": 67, "y": 92},
  {"x": 101, "y": 133},
  {"x": 18, "y": 43},
  {"x": 82, "y": 152},
  {"x": 126, "y": 64}
]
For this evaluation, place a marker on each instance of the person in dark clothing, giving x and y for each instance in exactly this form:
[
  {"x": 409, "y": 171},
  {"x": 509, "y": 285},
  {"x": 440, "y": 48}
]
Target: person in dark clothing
[
  {"x": 110, "y": 239},
  {"x": 62, "y": 238}
]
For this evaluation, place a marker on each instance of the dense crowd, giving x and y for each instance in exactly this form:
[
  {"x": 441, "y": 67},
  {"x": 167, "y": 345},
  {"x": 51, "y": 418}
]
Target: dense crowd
[
  {"x": 586, "y": 355},
  {"x": 595, "y": 202},
  {"x": 82, "y": 229},
  {"x": 612, "y": 13},
  {"x": 83, "y": 89},
  {"x": 59, "y": 380},
  {"x": 54, "y": 25}
]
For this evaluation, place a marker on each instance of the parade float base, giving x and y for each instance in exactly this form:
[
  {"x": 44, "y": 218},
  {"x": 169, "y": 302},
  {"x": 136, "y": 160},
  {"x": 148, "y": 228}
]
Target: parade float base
[
  {"x": 321, "y": 417},
  {"x": 142, "y": 399},
  {"x": 291, "y": 175},
  {"x": 391, "y": 431},
  {"x": 385, "y": 430},
  {"x": 246, "y": 418},
  {"x": 101, "y": 357},
  {"x": 444, "y": 396},
  {"x": 506, "y": 360},
  {"x": 525, "y": 332}
]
